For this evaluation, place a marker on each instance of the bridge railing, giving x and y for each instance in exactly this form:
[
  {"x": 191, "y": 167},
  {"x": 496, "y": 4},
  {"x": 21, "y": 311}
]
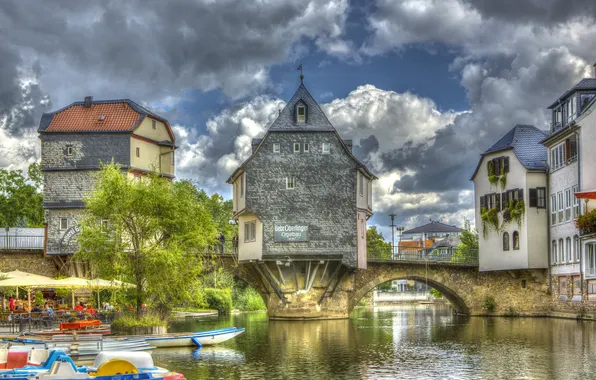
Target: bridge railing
[
  {"x": 21, "y": 242},
  {"x": 461, "y": 256}
]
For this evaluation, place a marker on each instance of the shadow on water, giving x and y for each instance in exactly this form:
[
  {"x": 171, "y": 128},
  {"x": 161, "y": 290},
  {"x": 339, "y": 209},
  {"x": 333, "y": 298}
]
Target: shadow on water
[{"x": 409, "y": 341}]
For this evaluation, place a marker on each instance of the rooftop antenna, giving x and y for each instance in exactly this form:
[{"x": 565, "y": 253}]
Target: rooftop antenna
[{"x": 301, "y": 74}]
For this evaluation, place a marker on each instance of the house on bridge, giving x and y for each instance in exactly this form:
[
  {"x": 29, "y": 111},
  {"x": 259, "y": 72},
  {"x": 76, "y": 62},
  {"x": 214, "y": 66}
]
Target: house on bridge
[
  {"x": 302, "y": 197},
  {"x": 510, "y": 202},
  {"x": 76, "y": 139}
]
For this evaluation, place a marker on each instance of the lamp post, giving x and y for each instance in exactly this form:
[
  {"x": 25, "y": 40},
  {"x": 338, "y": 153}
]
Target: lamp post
[{"x": 392, "y": 216}]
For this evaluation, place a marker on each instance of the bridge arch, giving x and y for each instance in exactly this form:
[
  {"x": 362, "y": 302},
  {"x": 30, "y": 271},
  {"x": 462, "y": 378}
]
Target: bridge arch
[{"x": 458, "y": 303}]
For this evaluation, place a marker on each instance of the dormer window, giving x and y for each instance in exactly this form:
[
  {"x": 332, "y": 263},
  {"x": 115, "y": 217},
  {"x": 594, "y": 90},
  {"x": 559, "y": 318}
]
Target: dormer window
[{"x": 301, "y": 113}]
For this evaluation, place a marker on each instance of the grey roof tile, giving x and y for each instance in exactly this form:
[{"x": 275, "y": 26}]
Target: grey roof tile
[
  {"x": 525, "y": 142},
  {"x": 315, "y": 117},
  {"x": 432, "y": 227},
  {"x": 584, "y": 84}
]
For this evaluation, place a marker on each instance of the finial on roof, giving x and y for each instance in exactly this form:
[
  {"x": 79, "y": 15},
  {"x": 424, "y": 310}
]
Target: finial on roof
[{"x": 301, "y": 74}]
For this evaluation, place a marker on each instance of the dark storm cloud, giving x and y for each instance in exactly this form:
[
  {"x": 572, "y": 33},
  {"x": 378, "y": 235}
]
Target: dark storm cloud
[
  {"x": 365, "y": 147},
  {"x": 539, "y": 11}
]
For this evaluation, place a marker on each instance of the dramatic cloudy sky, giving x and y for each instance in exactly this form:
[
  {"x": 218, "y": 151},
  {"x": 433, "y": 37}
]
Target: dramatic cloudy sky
[{"x": 421, "y": 86}]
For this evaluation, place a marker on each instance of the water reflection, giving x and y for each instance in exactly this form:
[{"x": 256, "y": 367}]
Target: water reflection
[{"x": 410, "y": 342}]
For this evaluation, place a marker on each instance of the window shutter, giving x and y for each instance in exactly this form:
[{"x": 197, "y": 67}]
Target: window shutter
[
  {"x": 567, "y": 150},
  {"x": 504, "y": 199},
  {"x": 520, "y": 194},
  {"x": 487, "y": 167},
  {"x": 497, "y": 166},
  {"x": 533, "y": 197},
  {"x": 498, "y": 201},
  {"x": 506, "y": 164}
]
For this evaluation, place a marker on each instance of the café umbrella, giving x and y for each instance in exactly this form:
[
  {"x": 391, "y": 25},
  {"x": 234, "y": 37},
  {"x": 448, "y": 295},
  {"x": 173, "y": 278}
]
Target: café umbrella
[
  {"x": 96, "y": 283},
  {"x": 29, "y": 281}
]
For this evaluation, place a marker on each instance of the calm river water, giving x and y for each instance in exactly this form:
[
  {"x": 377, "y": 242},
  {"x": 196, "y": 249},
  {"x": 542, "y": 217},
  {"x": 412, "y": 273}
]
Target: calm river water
[{"x": 407, "y": 342}]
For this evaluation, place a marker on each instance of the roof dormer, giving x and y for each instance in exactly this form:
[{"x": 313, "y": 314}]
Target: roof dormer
[{"x": 300, "y": 112}]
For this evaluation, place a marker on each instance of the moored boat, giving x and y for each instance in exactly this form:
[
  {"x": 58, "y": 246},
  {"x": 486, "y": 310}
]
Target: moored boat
[{"x": 198, "y": 339}]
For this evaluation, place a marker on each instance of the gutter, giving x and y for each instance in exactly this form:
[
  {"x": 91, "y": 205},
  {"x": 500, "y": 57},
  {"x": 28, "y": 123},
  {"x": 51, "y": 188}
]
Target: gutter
[
  {"x": 548, "y": 222},
  {"x": 579, "y": 187}
]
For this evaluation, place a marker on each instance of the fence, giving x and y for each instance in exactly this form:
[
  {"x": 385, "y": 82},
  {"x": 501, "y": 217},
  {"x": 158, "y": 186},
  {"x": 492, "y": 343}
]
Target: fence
[
  {"x": 21, "y": 242},
  {"x": 458, "y": 256},
  {"x": 27, "y": 322}
]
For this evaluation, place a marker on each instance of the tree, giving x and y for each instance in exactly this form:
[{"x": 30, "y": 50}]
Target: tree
[
  {"x": 376, "y": 246},
  {"x": 21, "y": 200},
  {"x": 468, "y": 246},
  {"x": 148, "y": 231}
]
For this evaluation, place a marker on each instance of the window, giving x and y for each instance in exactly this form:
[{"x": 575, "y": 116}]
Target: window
[
  {"x": 250, "y": 231},
  {"x": 557, "y": 157},
  {"x": 69, "y": 150},
  {"x": 275, "y": 147},
  {"x": 561, "y": 251},
  {"x": 541, "y": 197},
  {"x": 576, "y": 248},
  {"x": 553, "y": 209},
  {"x": 576, "y": 206},
  {"x": 554, "y": 253},
  {"x": 515, "y": 240},
  {"x": 591, "y": 259},
  {"x": 138, "y": 152},
  {"x": 506, "y": 241},
  {"x": 296, "y": 147},
  {"x": 290, "y": 182},
  {"x": 567, "y": 204},
  {"x": 326, "y": 147},
  {"x": 499, "y": 165},
  {"x": 63, "y": 223},
  {"x": 361, "y": 183},
  {"x": 560, "y": 206},
  {"x": 104, "y": 225},
  {"x": 301, "y": 115},
  {"x": 563, "y": 286},
  {"x": 557, "y": 117},
  {"x": 568, "y": 248},
  {"x": 584, "y": 100},
  {"x": 153, "y": 124},
  {"x": 571, "y": 148},
  {"x": 306, "y": 147},
  {"x": 241, "y": 185}
]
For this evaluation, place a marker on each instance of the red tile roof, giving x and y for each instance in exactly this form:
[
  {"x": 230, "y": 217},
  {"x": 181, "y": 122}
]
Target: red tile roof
[{"x": 77, "y": 118}]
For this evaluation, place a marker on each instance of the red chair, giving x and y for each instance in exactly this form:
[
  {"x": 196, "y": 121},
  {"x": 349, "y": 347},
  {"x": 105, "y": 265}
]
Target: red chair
[{"x": 17, "y": 359}]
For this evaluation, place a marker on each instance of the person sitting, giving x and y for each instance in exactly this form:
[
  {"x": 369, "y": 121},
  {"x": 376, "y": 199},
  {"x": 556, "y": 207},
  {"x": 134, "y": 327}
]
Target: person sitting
[
  {"x": 11, "y": 303},
  {"x": 36, "y": 309},
  {"x": 48, "y": 309},
  {"x": 90, "y": 310},
  {"x": 80, "y": 307}
]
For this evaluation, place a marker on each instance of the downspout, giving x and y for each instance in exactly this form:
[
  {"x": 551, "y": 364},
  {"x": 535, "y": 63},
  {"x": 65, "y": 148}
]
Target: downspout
[
  {"x": 548, "y": 223},
  {"x": 579, "y": 188}
]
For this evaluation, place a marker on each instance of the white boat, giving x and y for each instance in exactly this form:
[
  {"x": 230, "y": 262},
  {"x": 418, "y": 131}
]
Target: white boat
[{"x": 195, "y": 339}]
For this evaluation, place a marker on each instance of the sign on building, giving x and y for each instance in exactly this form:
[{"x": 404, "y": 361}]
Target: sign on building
[{"x": 291, "y": 232}]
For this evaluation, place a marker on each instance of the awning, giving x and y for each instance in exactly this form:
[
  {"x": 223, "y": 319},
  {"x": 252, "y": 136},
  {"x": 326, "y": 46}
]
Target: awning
[{"x": 590, "y": 194}]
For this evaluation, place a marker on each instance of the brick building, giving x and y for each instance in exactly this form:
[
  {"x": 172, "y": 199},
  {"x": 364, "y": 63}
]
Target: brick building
[{"x": 76, "y": 139}]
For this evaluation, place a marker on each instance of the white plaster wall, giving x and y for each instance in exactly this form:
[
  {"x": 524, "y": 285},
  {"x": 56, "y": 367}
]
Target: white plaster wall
[
  {"x": 537, "y": 224},
  {"x": 249, "y": 250}
]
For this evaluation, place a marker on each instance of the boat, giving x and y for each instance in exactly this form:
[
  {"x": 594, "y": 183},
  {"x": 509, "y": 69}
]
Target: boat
[
  {"x": 194, "y": 339},
  {"x": 107, "y": 366}
]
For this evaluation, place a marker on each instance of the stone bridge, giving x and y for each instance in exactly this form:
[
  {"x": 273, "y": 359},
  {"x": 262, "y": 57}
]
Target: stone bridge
[{"x": 332, "y": 291}]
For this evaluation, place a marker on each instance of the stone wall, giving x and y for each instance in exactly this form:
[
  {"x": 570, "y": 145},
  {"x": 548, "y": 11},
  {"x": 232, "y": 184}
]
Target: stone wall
[
  {"x": 67, "y": 188},
  {"x": 566, "y": 302},
  {"x": 27, "y": 261},
  {"x": 61, "y": 241},
  {"x": 324, "y": 196}
]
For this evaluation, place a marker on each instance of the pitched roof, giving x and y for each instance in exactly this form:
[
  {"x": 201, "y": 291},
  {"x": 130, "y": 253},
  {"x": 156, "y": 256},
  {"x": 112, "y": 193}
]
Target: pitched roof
[
  {"x": 525, "y": 142},
  {"x": 118, "y": 115},
  {"x": 433, "y": 226},
  {"x": 584, "y": 84},
  {"x": 315, "y": 117}
]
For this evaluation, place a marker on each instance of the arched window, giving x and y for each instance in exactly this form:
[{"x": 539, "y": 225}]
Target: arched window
[
  {"x": 554, "y": 248},
  {"x": 561, "y": 251},
  {"x": 576, "y": 248},
  {"x": 506, "y": 241},
  {"x": 515, "y": 240},
  {"x": 568, "y": 249}
]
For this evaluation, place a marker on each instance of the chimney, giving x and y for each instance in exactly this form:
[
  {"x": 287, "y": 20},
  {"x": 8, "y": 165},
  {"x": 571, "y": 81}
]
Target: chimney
[{"x": 88, "y": 101}]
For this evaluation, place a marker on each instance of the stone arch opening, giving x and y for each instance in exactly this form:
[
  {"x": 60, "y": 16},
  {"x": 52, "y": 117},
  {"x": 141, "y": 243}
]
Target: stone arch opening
[{"x": 456, "y": 301}]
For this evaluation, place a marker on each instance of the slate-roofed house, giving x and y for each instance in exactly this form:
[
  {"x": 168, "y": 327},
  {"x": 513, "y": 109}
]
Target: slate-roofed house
[
  {"x": 302, "y": 194},
  {"x": 571, "y": 158},
  {"x": 510, "y": 201},
  {"x": 433, "y": 230},
  {"x": 77, "y": 138}
]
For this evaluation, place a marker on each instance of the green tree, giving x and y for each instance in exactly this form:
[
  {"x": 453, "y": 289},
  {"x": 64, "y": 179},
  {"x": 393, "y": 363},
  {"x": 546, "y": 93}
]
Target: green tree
[
  {"x": 21, "y": 200},
  {"x": 376, "y": 246},
  {"x": 148, "y": 231},
  {"x": 468, "y": 246}
]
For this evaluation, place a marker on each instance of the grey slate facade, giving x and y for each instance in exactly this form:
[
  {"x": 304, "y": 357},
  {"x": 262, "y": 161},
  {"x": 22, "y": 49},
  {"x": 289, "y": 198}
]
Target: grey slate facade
[{"x": 325, "y": 194}]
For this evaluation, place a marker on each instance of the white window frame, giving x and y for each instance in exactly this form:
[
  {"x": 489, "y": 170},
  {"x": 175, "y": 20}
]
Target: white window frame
[
  {"x": 306, "y": 148},
  {"x": 276, "y": 148},
  {"x": 104, "y": 225},
  {"x": 541, "y": 200},
  {"x": 591, "y": 259},
  {"x": 561, "y": 250},
  {"x": 553, "y": 209},
  {"x": 69, "y": 150},
  {"x": 577, "y": 248},
  {"x": 576, "y": 203},
  {"x": 560, "y": 208},
  {"x": 557, "y": 157},
  {"x": 326, "y": 148},
  {"x": 567, "y": 204},
  {"x": 250, "y": 231},
  {"x": 514, "y": 240},
  {"x": 301, "y": 118},
  {"x": 65, "y": 226},
  {"x": 554, "y": 252},
  {"x": 290, "y": 183},
  {"x": 568, "y": 249},
  {"x": 296, "y": 147}
]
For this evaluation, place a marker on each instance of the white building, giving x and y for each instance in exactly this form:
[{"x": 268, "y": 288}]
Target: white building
[
  {"x": 572, "y": 157},
  {"x": 511, "y": 202}
]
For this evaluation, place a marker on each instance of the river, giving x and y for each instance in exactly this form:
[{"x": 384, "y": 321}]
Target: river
[{"x": 404, "y": 342}]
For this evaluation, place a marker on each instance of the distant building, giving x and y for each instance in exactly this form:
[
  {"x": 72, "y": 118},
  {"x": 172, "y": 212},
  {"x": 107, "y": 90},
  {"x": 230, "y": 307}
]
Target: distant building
[
  {"x": 445, "y": 246},
  {"x": 302, "y": 195},
  {"x": 432, "y": 230},
  {"x": 510, "y": 201},
  {"x": 413, "y": 246},
  {"x": 572, "y": 176},
  {"x": 76, "y": 139}
]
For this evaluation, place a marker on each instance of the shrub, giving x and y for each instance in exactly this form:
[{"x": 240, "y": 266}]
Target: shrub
[
  {"x": 247, "y": 299},
  {"x": 435, "y": 293},
  {"x": 219, "y": 299},
  {"x": 511, "y": 312},
  {"x": 587, "y": 222},
  {"x": 130, "y": 321},
  {"x": 488, "y": 304}
]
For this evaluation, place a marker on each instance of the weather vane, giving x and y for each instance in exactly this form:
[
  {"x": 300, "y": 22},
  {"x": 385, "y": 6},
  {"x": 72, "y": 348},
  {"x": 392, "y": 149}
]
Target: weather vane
[{"x": 301, "y": 75}]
